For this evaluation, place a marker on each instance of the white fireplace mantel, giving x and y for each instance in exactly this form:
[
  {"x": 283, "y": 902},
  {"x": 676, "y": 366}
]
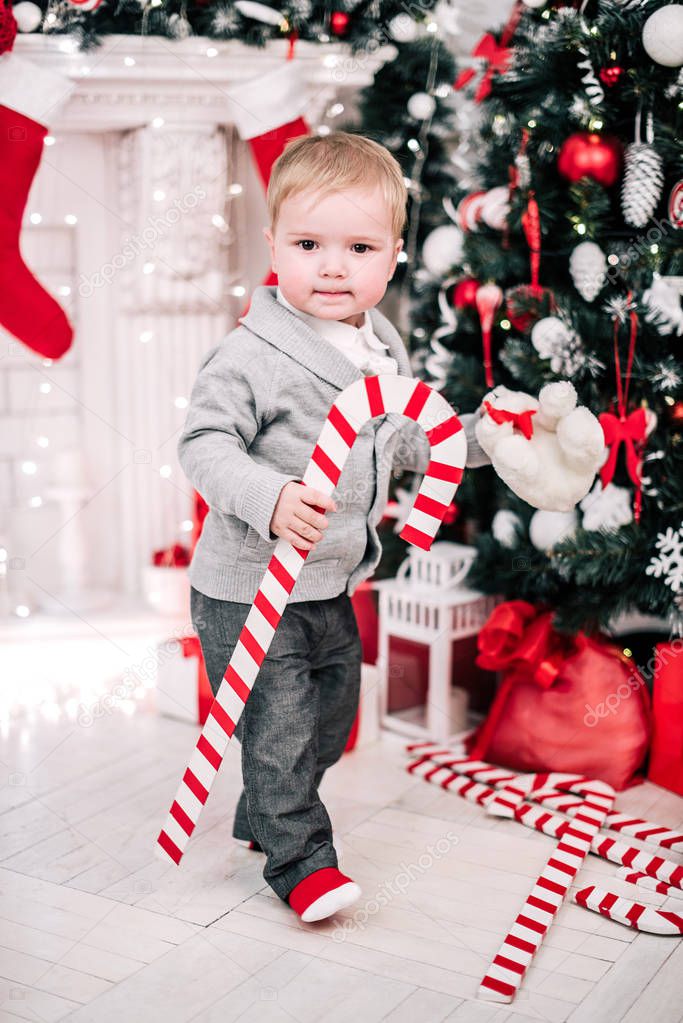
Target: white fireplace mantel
[{"x": 178, "y": 78}]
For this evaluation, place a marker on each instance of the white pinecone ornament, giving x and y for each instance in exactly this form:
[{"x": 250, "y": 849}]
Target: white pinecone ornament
[
  {"x": 642, "y": 184},
  {"x": 588, "y": 269}
]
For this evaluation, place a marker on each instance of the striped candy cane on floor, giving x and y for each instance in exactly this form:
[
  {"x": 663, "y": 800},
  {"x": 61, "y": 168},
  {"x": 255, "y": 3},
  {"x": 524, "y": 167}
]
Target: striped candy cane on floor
[
  {"x": 633, "y": 914},
  {"x": 556, "y": 826},
  {"x": 616, "y": 852},
  {"x": 549, "y": 823},
  {"x": 506, "y": 972},
  {"x": 634, "y": 827},
  {"x": 641, "y": 880},
  {"x": 362, "y": 401}
]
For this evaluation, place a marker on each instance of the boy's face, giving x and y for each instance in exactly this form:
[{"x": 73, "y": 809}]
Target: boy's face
[{"x": 334, "y": 256}]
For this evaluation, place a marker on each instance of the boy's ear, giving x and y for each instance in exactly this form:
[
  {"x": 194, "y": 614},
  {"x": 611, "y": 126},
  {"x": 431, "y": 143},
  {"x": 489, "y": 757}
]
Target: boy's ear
[
  {"x": 268, "y": 235},
  {"x": 397, "y": 248}
]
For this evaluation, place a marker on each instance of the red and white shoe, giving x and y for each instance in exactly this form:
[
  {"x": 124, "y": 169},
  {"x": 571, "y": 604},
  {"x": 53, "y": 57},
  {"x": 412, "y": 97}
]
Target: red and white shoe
[{"x": 323, "y": 893}]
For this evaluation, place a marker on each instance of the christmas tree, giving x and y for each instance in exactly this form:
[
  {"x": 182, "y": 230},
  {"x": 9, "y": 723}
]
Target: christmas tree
[{"x": 571, "y": 242}]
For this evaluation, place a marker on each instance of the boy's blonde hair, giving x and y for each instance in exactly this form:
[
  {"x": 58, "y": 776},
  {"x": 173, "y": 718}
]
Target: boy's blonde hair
[{"x": 331, "y": 163}]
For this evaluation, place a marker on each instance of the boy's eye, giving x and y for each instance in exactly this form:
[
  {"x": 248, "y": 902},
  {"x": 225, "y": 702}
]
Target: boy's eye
[{"x": 307, "y": 244}]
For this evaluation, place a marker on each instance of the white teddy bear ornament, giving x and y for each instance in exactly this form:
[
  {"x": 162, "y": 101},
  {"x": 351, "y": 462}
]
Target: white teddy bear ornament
[{"x": 546, "y": 449}]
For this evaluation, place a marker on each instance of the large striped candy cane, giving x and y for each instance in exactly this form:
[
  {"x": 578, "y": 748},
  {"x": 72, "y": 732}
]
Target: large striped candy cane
[
  {"x": 364, "y": 400},
  {"x": 506, "y": 972}
]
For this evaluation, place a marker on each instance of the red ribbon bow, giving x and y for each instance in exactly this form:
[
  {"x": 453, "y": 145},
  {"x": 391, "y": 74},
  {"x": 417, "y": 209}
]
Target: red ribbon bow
[
  {"x": 520, "y": 636},
  {"x": 520, "y": 420},
  {"x": 627, "y": 430},
  {"x": 497, "y": 58}
]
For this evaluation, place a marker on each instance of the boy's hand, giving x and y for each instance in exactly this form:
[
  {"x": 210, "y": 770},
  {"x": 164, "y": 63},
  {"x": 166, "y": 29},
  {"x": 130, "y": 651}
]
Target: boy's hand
[{"x": 297, "y": 517}]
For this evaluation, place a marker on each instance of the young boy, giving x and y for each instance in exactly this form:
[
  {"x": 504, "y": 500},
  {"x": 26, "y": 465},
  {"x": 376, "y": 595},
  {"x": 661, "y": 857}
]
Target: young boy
[{"x": 337, "y": 211}]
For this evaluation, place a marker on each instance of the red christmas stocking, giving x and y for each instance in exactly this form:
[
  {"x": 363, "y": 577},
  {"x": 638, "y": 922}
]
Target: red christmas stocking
[
  {"x": 28, "y": 93},
  {"x": 267, "y": 113}
]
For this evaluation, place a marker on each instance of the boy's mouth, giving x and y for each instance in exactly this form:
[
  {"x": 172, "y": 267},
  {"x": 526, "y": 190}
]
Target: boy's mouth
[{"x": 335, "y": 294}]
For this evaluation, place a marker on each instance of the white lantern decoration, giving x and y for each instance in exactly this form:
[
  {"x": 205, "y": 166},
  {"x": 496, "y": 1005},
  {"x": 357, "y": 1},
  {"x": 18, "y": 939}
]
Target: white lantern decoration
[
  {"x": 496, "y": 207},
  {"x": 443, "y": 249},
  {"x": 421, "y": 106},
  {"x": 663, "y": 36},
  {"x": 29, "y": 16},
  {"x": 548, "y": 528},
  {"x": 588, "y": 267},
  {"x": 505, "y": 527}
]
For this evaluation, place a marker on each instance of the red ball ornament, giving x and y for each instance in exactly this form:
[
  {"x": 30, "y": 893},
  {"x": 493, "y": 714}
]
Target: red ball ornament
[
  {"x": 8, "y": 26},
  {"x": 465, "y": 293},
  {"x": 589, "y": 155},
  {"x": 610, "y": 76},
  {"x": 676, "y": 205},
  {"x": 339, "y": 22}
]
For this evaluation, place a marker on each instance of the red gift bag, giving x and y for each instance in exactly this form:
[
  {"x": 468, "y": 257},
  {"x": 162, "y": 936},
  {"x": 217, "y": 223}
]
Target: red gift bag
[
  {"x": 573, "y": 704},
  {"x": 666, "y": 755}
]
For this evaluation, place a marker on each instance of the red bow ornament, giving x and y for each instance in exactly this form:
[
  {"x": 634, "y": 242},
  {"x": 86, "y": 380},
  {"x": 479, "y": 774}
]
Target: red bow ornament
[
  {"x": 631, "y": 431},
  {"x": 520, "y": 420},
  {"x": 496, "y": 58}
]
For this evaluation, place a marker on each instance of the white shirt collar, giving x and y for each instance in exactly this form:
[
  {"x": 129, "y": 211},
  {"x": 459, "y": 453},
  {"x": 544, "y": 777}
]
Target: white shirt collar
[{"x": 343, "y": 335}]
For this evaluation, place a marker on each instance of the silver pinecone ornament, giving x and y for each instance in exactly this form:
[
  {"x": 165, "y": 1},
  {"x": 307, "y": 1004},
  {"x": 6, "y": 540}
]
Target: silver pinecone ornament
[{"x": 642, "y": 184}]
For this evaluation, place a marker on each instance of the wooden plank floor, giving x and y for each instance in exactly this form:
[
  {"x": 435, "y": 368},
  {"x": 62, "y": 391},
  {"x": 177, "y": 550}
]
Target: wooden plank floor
[{"x": 93, "y": 927}]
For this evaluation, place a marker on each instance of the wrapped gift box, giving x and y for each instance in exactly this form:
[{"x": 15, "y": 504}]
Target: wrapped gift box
[{"x": 182, "y": 685}]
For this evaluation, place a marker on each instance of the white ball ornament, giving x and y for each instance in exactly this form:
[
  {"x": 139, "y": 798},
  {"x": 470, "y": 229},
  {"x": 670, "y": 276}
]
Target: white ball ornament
[
  {"x": 403, "y": 28},
  {"x": 504, "y": 527},
  {"x": 28, "y": 15},
  {"x": 535, "y": 5},
  {"x": 443, "y": 249},
  {"x": 663, "y": 36},
  {"x": 548, "y": 335},
  {"x": 421, "y": 106},
  {"x": 588, "y": 268},
  {"x": 548, "y": 528},
  {"x": 496, "y": 207},
  {"x": 259, "y": 12}
]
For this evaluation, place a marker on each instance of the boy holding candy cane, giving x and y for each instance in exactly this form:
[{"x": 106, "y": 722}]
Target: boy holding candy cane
[{"x": 337, "y": 207}]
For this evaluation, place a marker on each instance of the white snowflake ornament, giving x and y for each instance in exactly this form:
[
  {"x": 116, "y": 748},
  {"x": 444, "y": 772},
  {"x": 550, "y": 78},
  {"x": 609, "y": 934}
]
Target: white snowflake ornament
[
  {"x": 668, "y": 564},
  {"x": 555, "y": 340},
  {"x": 607, "y": 508},
  {"x": 664, "y": 306}
]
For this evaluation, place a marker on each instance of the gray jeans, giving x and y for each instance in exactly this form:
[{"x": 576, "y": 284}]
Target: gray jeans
[{"x": 294, "y": 726}]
